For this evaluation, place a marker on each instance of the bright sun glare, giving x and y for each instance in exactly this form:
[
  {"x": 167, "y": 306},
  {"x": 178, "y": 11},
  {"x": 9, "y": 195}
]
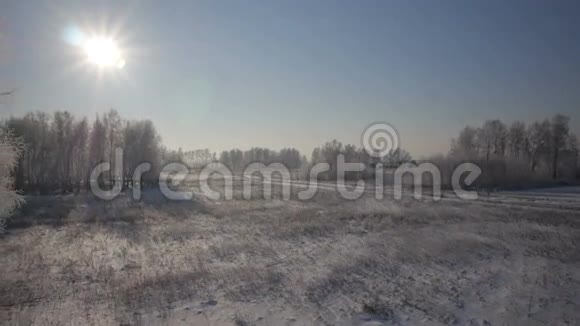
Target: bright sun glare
[
  {"x": 103, "y": 52},
  {"x": 100, "y": 50}
]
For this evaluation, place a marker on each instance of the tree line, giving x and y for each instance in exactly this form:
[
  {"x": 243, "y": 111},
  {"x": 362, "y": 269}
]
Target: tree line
[
  {"x": 60, "y": 150},
  {"x": 542, "y": 149},
  {"x": 329, "y": 151},
  {"x": 236, "y": 159}
]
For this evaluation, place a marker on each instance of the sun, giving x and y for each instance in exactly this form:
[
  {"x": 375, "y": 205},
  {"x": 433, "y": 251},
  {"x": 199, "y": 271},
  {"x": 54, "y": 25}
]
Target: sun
[{"x": 103, "y": 52}]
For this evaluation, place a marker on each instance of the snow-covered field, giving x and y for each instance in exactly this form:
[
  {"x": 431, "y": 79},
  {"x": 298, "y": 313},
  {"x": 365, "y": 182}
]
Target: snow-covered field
[{"x": 506, "y": 259}]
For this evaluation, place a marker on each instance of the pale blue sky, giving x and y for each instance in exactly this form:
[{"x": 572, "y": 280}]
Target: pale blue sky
[{"x": 223, "y": 74}]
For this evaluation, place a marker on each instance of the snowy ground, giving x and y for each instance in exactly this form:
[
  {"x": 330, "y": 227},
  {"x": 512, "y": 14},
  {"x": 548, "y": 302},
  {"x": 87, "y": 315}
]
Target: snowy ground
[
  {"x": 506, "y": 259},
  {"x": 569, "y": 191}
]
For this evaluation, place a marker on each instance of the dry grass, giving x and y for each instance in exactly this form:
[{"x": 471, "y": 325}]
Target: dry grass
[{"x": 328, "y": 261}]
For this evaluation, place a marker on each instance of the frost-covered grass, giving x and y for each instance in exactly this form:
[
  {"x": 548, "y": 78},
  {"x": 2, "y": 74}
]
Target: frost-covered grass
[{"x": 327, "y": 261}]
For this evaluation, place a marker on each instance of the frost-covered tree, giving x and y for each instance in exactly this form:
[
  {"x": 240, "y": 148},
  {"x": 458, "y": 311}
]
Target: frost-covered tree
[{"x": 10, "y": 150}]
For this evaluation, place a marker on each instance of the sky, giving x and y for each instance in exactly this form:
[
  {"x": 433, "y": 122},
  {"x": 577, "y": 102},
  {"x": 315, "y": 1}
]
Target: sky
[{"x": 238, "y": 74}]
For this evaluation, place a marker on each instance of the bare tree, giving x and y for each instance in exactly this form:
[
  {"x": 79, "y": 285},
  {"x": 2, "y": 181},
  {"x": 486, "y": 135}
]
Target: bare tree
[
  {"x": 290, "y": 157},
  {"x": 397, "y": 157},
  {"x": 516, "y": 139},
  {"x": 466, "y": 144},
  {"x": 97, "y": 144},
  {"x": 492, "y": 138},
  {"x": 141, "y": 145},
  {"x": 64, "y": 147},
  {"x": 573, "y": 148},
  {"x": 79, "y": 153},
  {"x": 113, "y": 130},
  {"x": 560, "y": 134},
  {"x": 538, "y": 139},
  {"x": 237, "y": 159}
]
